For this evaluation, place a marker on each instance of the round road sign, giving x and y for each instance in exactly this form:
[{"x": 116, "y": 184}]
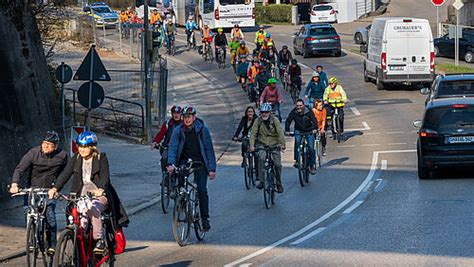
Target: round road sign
[
  {"x": 438, "y": 2},
  {"x": 63, "y": 73},
  {"x": 92, "y": 91}
]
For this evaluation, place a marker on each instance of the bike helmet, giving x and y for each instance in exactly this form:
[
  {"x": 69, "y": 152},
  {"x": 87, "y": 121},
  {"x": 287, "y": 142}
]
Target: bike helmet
[
  {"x": 294, "y": 61},
  {"x": 52, "y": 137},
  {"x": 176, "y": 109},
  {"x": 236, "y": 26},
  {"x": 315, "y": 74},
  {"x": 272, "y": 81},
  {"x": 87, "y": 139},
  {"x": 220, "y": 30},
  {"x": 260, "y": 27},
  {"x": 168, "y": 16},
  {"x": 188, "y": 111},
  {"x": 284, "y": 47},
  {"x": 190, "y": 17},
  {"x": 266, "y": 107},
  {"x": 319, "y": 66},
  {"x": 242, "y": 42},
  {"x": 268, "y": 35},
  {"x": 332, "y": 80}
]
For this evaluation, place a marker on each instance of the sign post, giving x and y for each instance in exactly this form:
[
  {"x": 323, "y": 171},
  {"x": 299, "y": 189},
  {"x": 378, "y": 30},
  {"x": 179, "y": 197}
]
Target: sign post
[
  {"x": 75, "y": 131},
  {"x": 458, "y": 4},
  {"x": 437, "y": 4},
  {"x": 63, "y": 75}
]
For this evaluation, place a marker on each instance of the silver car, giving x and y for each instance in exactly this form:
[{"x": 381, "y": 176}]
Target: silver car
[{"x": 361, "y": 35}]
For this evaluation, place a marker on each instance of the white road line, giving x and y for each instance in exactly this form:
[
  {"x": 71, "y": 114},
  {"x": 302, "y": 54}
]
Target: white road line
[
  {"x": 353, "y": 207},
  {"x": 305, "y": 66},
  {"x": 416, "y": 131},
  {"x": 366, "y": 125},
  {"x": 345, "y": 146},
  {"x": 368, "y": 186},
  {"x": 308, "y": 236},
  {"x": 396, "y": 144},
  {"x": 367, "y": 145},
  {"x": 245, "y": 265},
  {"x": 395, "y": 132},
  {"x": 355, "y": 111},
  {"x": 383, "y": 167},
  {"x": 366, "y": 128},
  {"x": 374, "y": 133}
]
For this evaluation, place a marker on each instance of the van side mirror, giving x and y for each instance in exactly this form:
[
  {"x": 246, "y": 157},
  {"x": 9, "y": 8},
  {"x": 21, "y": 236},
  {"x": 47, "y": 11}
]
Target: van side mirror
[
  {"x": 363, "y": 48},
  {"x": 425, "y": 91},
  {"x": 417, "y": 124}
]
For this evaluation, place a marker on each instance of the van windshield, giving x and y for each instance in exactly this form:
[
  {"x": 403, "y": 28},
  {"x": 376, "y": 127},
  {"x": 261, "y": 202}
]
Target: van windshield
[
  {"x": 447, "y": 88},
  {"x": 447, "y": 119}
]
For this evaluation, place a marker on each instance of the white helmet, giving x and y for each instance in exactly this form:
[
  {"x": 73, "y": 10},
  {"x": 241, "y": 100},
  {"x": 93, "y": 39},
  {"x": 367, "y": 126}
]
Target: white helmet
[{"x": 190, "y": 17}]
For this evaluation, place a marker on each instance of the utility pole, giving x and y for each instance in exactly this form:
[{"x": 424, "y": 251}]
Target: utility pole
[{"x": 146, "y": 66}]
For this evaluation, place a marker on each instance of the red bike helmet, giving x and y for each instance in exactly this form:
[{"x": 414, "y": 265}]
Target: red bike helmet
[{"x": 120, "y": 241}]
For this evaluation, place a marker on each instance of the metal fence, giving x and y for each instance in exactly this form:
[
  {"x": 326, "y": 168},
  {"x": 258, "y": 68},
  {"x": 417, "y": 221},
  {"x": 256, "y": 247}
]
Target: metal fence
[
  {"x": 450, "y": 30},
  {"x": 363, "y": 7}
]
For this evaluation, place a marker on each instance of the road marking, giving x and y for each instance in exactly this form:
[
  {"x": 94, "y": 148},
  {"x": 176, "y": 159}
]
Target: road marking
[
  {"x": 355, "y": 111},
  {"x": 368, "y": 145},
  {"x": 308, "y": 236},
  {"x": 346, "y": 146},
  {"x": 366, "y": 128},
  {"x": 416, "y": 131},
  {"x": 245, "y": 265},
  {"x": 400, "y": 132},
  {"x": 368, "y": 186},
  {"x": 374, "y": 133},
  {"x": 353, "y": 207},
  {"x": 396, "y": 144},
  {"x": 305, "y": 66},
  {"x": 383, "y": 167}
]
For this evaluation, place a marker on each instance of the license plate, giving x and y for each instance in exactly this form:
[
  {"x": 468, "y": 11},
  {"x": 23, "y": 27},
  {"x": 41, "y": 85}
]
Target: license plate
[
  {"x": 396, "y": 67},
  {"x": 323, "y": 18},
  {"x": 459, "y": 139},
  {"x": 325, "y": 40}
]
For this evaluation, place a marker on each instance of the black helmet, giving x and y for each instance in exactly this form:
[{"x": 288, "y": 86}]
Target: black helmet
[
  {"x": 188, "y": 111},
  {"x": 285, "y": 47},
  {"x": 52, "y": 137},
  {"x": 319, "y": 66},
  {"x": 294, "y": 61}
]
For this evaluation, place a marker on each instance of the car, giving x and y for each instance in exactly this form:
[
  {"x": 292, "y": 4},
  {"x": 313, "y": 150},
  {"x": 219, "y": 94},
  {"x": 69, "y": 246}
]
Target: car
[
  {"x": 323, "y": 13},
  {"x": 450, "y": 85},
  {"x": 444, "y": 46},
  {"x": 445, "y": 135},
  {"x": 317, "y": 39},
  {"x": 361, "y": 35},
  {"x": 103, "y": 14}
]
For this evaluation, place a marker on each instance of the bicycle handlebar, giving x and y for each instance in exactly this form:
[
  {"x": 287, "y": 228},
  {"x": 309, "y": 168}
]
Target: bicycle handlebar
[
  {"x": 37, "y": 191},
  {"x": 189, "y": 167}
]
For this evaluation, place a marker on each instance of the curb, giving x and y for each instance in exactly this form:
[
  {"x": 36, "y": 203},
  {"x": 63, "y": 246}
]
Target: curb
[{"x": 13, "y": 255}]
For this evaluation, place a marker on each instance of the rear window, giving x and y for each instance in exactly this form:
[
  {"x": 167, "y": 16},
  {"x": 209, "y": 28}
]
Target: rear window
[
  {"x": 456, "y": 88},
  {"x": 322, "y": 8},
  {"x": 449, "y": 118},
  {"x": 322, "y": 31}
]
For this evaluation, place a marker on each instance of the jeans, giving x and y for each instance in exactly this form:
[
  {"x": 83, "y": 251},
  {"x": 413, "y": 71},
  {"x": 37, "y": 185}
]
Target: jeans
[
  {"x": 164, "y": 160},
  {"x": 341, "y": 117},
  {"x": 168, "y": 38},
  {"x": 310, "y": 142},
  {"x": 276, "y": 155},
  {"x": 276, "y": 108},
  {"x": 218, "y": 50},
  {"x": 200, "y": 178}
]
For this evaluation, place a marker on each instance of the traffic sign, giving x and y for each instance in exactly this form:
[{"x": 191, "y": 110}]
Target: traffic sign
[
  {"x": 458, "y": 4},
  {"x": 92, "y": 68},
  {"x": 438, "y": 2},
  {"x": 63, "y": 73},
  {"x": 75, "y": 131},
  {"x": 90, "y": 95}
]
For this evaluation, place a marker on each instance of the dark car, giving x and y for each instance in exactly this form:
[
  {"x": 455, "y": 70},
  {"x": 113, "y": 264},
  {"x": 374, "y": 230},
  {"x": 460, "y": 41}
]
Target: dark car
[
  {"x": 446, "y": 135},
  {"x": 317, "y": 39},
  {"x": 444, "y": 46},
  {"x": 450, "y": 85}
]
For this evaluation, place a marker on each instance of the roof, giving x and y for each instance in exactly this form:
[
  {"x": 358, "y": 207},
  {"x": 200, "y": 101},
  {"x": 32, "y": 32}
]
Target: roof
[
  {"x": 398, "y": 18},
  {"x": 318, "y": 25},
  {"x": 458, "y": 77},
  {"x": 445, "y": 102}
]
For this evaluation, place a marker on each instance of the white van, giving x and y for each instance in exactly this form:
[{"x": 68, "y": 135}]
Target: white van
[{"x": 400, "y": 50}]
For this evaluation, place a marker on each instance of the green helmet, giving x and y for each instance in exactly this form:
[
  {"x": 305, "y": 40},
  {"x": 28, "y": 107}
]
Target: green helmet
[{"x": 272, "y": 81}]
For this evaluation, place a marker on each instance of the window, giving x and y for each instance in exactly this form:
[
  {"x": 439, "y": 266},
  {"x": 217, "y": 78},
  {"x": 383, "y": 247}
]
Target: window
[
  {"x": 208, "y": 6},
  {"x": 322, "y": 8},
  {"x": 234, "y": 2},
  {"x": 456, "y": 88},
  {"x": 101, "y": 9},
  {"x": 448, "y": 119},
  {"x": 322, "y": 31}
]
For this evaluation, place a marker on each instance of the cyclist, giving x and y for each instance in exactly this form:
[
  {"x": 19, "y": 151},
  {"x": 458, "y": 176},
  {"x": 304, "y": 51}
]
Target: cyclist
[
  {"x": 271, "y": 94},
  {"x": 269, "y": 56},
  {"x": 260, "y": 37},
  {"x": 233, "y": 46},
  {"x": 242, "y": 69},
  {"x": 314, "y": 89},
  {"x": 170, "y": 31},
  {"x": 190, "y": 27},
  {"x": 261, "y": 80},
  {"x": 237, "y": 32},
  {"x": 294, "y": 71},
  {"x": 192, "y": 140},
  {"x": 268, "y": 39},
  {"x": 242, "y": 50},
  {"x": 206, "y": 37},
  {"x": 89, "y": 170},
  {"x": 124, "y": 20},
  {"x": 335, "y": 97},
  {"x": 158, "y": 28},
  {"x": 284, "y": 58},
  {"x": 304, "y": 122},
  {"x": 266, "y": 131},
  {"x": 164, "y": 135},
  {"x": 252, "y": 75},
  {"x": 220, "y": 40},
  {"x": 42, "y": 164},
  {"x": 245, "y": 125},
  {"x": 155, "y": 17},
  {"x": 320, "y": 114},
  {"x": 323, "y": 77}
]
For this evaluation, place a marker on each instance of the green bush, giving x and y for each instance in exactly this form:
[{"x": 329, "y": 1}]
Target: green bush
[{"x": 273, "y": 13}]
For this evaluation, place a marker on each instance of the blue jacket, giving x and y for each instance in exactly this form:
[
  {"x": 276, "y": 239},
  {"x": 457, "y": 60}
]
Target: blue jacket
[
  {"x": 242, "y": 69},
  {"x": 176, "y": 145},
  {"x": 315, "y": 90},
  {"x": 323, "y": 77}
]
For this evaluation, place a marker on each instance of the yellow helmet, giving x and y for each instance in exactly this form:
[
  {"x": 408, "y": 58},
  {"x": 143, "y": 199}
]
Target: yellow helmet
[
  {"x": 270, "y": 44},
  {"x": 220, "y": 30},
  {"x": 332, "y": 80}
]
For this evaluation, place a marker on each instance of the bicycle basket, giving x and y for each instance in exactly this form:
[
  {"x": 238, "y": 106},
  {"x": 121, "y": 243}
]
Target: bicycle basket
[{"x": 120, "y": 241}]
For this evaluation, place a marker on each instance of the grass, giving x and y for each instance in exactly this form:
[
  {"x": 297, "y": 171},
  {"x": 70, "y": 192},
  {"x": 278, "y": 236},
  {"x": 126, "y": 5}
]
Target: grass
[{"x": 450, "y": 68}]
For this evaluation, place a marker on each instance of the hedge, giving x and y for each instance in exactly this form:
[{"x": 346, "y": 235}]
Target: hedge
[{"x": 273, "y": 13}]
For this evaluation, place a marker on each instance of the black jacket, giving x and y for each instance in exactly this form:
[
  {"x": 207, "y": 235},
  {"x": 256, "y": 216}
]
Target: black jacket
[
  {"x": 243, "y": 126},
  {"x": 100, "y": 177},
  {"x": 43, "y": 169},
  {"x": 284, "y": 58},
  {"x": 220, "y": 40},
  {"x": 304, "y": 122}
]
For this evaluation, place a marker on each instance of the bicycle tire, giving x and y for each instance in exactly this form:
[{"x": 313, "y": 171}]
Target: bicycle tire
[
  {"x": 252, "y": 170},
  {"x": 181, "y": 214},
  {"x": 318, "y": 153},
  {"x": 198, "y": 231},
  {"x": 267, "y": 190},
  {"x": 165, "y": 192},
  {"x": 246, "y": 173},
  {"x": 33, "y": 250},
  {"x": 338, "y": 128},
  {"x": 66, "y": 254},
  {"x": 173, "y": 49},
  {"x": 273, "y": 190}
]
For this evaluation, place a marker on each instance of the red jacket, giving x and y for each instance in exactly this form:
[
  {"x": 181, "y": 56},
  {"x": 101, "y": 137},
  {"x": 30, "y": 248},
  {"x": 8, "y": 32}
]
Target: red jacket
[
  {"x": 167, "y": 125},
  {"x": 271, "y": 96}
]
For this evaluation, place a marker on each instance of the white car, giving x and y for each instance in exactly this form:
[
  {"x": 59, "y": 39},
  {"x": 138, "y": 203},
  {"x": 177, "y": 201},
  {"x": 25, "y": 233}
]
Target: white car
[{"x": 323, "y": 14}]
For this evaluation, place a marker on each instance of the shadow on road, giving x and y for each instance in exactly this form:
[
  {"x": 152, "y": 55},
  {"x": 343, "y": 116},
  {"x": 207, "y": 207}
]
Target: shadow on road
[
  {"x": 177, "y": 264},
  {"x": 338, "y": 161},
  {"x": 136, "y": 248}
]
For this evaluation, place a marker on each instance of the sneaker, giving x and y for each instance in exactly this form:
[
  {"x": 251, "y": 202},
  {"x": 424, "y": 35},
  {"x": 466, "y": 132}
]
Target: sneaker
[
  {"x": 312, "y": 170},
  {"x": 99, "y": 246},
  {"x": 260, "y": 186},
  {"x": 51, "y": 251},
  {"x": 280, "y": 189},
  {"x": 205, "y": 225},
  {"x": 242, "y": 165},
  {"x": 295, "y": 165}
]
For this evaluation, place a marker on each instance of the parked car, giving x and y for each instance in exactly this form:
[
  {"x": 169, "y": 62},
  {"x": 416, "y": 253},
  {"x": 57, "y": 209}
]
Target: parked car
[
  {"x": 324, "y": 13},
  {"x": 446, "y": 135},
  {"x": 444, "y": 46},
  {"x": 103, "y": 14},
  {"x": 361, "y": 35},
  {"x": 317, "y": 39},
  {"x": 400, "y": 51},
  {"x": 451, "y": 85}
]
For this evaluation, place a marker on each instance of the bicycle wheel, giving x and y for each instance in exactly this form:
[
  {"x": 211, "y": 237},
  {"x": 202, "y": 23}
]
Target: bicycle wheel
[
  {"x": 165, "y": 192},
  {"x": 67, "y": 253},
  {"x": 200, "y": 234},
  {"x": 32, "y": 248},
  {"x": 173, "y": 49},
  {"x": 247, "y": 172},
  {"x": 181, "y": 223},
  {"x": 301, "y": 167},
  {"x": 252, "y": 170},
  {"x": 273, "y": 182},
  {"x": 318, "y": 153},
  {"x": 306, "y": 170},
  {"x": 268, "y": 190},
  {"x": 338, "y": 128}
]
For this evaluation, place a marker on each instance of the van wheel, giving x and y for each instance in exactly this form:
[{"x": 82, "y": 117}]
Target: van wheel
[
  {"x": 358, "y": 38},
  {"x": 436, "y": 51},
  {"x": 468, "y": 57},
  {"x": 295, "y": 51},
  {"x": 366, "y": 75},
  {"x": 380, "y": 85}
]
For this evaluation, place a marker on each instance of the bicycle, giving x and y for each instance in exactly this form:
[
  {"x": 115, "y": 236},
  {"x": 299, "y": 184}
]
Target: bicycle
[
  {"x": 186, "y": 208},
  {"x": 36, "y": 225},
  {"x": 220, "y": 57},
  {"x": 208, "y": 56},
  {"x": 244, "y": 85},
  {"x": 171, "y": 47},
  {"x": 303, "y": 159},
  {"x": 250, "y": 164},
  {"x": 233, "y": 62},
  {"x": 76, "y": 244},
  {"x": 191, "y": 40},
  {"x": 168, "y": 184},
  {"x": 269, "y": 188},
  {"x": 294, "y": 91},
  {"x": 318, "y": 148},
  {"x": 284, "y": 77},
  {"x": 336, "y": 121}
]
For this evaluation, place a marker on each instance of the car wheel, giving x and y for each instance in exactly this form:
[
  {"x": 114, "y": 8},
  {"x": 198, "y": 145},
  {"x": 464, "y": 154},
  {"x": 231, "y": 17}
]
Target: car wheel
[
  {"x": 305, "y": 53},
  {"x": 468, "y": 57},
  {"x": 338, "y": 53},
  {"x": 423, "y": 172},
  {"x": 295, "y": 51},
  {"x": 436, "y": 51},
  {"x": 379, "y": 83},
  {"x": 358, "y": 38}
]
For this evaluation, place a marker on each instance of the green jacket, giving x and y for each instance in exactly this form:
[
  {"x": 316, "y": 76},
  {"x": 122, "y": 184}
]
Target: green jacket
[
  {"x": 234, "y": 45},
  {"x": 267, "y": 133}
]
